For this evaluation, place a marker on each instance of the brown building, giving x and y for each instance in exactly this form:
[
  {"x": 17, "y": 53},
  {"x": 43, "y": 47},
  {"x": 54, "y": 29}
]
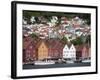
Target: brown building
[
  {"x": 86, "y": 51},
  {"x": 83, "y": 51},
  {"x": 29, "y": 49},
  {"x": 89, "y": 55},
  {"x": 55, "y": 48},
  {"x": 26, "y": 42}
]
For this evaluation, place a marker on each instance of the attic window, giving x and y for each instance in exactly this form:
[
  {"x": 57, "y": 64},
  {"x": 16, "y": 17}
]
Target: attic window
[{"x": 66, "y": 48}]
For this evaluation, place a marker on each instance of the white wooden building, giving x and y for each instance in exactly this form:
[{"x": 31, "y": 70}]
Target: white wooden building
[{"x": 69, "y": 52}]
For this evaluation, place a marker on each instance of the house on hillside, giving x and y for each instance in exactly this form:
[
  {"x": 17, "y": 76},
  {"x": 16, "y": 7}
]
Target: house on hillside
[
  {"x": 78, "y": 32},
  {"x": 54, "y": 20},
  {"x": 64, "y": 20},
  {"x": 77, "y": 22}
]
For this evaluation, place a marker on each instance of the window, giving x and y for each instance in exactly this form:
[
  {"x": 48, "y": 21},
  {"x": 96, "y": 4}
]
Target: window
[
  {"x": 64, "y": 51},
  {"x": 66, "y": 48}
]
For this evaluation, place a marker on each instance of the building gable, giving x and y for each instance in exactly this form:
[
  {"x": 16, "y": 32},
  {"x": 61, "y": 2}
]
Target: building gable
[
  {"x": 42, "y": 51},
  {"x": 69, "y": 52},
  {"x": 72, "y": 48},
  {"x": 65, "y": 48}
]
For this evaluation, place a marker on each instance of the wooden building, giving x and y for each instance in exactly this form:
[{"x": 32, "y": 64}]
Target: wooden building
[
  {"x": 86, "y": 51},
  {"x": 29, "y": 49},
  {"x": 69, "y": 52},
  {"x": 83, "y": 51},
  {"x": 55, "y": 48},
  {"x": 42, "y": 50}
]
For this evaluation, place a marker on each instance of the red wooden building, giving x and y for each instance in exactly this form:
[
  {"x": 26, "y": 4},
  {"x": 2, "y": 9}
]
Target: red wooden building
[
  {"x": 29, "y": 49},
  {"x": 55, "y": 48},
  {"x": 83, "y": 51}
]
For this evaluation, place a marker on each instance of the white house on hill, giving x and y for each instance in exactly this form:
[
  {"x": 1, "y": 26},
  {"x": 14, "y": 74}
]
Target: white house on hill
[{"x": 69, "y": 52}]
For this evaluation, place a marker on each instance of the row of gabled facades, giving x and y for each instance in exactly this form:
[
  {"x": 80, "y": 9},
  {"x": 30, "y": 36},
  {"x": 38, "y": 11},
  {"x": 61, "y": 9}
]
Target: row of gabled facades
[{"x": 39, "y": 49}]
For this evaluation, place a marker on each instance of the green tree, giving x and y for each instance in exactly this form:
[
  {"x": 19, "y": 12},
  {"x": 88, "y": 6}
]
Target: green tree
[
  {"x": 64, "y": 39},
  {"x": 77, "y": 41},
  {"x": 33, "y": 35},
  {"x": 88, "y": 39}
]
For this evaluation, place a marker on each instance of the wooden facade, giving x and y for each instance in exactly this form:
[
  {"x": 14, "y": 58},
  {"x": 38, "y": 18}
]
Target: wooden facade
[
  {"x": 69, "y": 52},
  {"x": 29, "y": 49},
  {"x": 55, "y": 48},
  {"x": 52, "y": 48},
  {"x": 42, "y": 51},
  {"x": 83, "y": 51},
  {"x": 78, "y": 51}
]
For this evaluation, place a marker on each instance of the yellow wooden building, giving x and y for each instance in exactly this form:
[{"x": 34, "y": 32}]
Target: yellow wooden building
[{"x": 42, "y": 51}]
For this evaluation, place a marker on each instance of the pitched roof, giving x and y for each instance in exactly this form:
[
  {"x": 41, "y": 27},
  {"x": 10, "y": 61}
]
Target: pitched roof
[
  {"x": 41, "y": 41},
  {"x": 55, "y": 43},
  {"x": 69, "y": 44},
  {"x": 80, "y": 47},
  {"x": 29, "y": 41},
  {"x": 26, "y": 42}
]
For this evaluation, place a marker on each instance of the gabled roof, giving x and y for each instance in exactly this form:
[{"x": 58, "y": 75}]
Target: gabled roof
[
  {"x": 80, "y": 47},
  {"x": 40, "y": 42},
  {"x": 69, "y": 44},
  {"x": 27, "y": 41},
  {"x": 55, "y": 43}
]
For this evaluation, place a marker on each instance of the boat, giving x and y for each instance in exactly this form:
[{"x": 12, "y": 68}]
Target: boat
[
  {"x": 44, "y": 62},
  {"x": 69, "y": 61},
  {"x": 87, "y": 60}
]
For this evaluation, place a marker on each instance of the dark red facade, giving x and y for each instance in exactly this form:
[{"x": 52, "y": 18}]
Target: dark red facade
[
  {"x": 55, "y": 48},
  {"x": 29, "y": 49}
]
